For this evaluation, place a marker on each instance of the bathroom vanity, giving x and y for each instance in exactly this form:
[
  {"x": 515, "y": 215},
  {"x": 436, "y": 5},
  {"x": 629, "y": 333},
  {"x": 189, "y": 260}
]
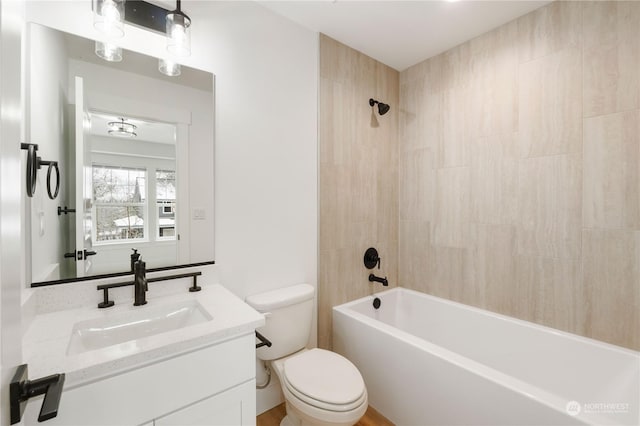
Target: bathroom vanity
[{"x": 181, "y": 359}]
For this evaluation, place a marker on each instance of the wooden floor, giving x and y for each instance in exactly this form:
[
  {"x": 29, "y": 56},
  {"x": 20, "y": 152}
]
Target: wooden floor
[{"x": 276, "y": 414}]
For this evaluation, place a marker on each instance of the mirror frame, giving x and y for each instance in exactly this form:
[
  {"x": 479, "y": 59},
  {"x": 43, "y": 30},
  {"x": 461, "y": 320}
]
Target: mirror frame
[{"x": 119, "y": 274}]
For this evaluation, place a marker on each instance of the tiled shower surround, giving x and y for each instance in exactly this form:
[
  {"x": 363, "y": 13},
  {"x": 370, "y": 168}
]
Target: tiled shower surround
[{"x": 512, "y": 180}]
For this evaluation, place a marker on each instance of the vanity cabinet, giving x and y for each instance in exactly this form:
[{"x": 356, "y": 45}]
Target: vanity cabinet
[
  {"x": 232, "y": 407},
  {"x": 212, "y": 385}
]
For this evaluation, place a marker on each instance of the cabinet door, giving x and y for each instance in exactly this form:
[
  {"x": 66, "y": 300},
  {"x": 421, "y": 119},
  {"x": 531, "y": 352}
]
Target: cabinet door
[{"x": 235, "y": 406}]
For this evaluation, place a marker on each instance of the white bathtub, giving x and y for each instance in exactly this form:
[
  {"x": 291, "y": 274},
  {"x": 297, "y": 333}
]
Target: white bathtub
[{"x": 430, "y": 361}]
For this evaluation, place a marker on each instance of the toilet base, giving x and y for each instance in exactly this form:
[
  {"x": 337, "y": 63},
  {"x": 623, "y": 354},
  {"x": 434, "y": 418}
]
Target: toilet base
[{"x": 286, "y": 421}]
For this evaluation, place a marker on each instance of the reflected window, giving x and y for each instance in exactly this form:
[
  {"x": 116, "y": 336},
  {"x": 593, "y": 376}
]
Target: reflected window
[
  {"x": 166, "y": 204},
  {"x": 122, "y": 211},
  {"x": 120, "y": 203}
]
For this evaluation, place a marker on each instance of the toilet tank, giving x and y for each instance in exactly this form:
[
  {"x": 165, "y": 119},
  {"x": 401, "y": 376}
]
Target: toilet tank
[{"x": 288, "y": 313}]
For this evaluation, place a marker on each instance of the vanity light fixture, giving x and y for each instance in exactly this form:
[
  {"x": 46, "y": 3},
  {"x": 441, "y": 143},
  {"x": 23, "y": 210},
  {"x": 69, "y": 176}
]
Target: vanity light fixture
[
  {"x": 108, "y": 51},
  {"x": 122, "y": 129},
  {"x": 178, "y": 32},
  {"x": 169, "y": 67},
  {"x": 175, "y": 25},
  {"x": 108, "y": 17}
]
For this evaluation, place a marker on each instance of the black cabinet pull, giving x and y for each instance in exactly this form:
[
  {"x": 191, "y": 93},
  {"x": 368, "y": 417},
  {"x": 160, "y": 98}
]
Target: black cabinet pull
[{"x": 21, "y": 389}]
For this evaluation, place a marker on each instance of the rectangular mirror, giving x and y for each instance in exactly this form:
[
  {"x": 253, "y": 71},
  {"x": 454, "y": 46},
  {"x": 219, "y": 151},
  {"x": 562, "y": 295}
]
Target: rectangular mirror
[{"x": 122, "y": 134}]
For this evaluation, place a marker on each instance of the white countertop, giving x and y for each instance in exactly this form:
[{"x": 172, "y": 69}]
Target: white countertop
[{"x": 46, "y": 340}]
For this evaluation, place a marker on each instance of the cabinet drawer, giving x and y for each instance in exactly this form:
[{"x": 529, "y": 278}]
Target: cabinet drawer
[{"x": 233, "y": 407}]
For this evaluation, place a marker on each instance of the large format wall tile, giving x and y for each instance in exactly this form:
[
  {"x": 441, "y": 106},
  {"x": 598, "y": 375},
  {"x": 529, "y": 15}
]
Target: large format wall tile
[
  {"x": 358, "y": 177},
  {"x": 418, "y": 183},
  {"x": 451, "y": 274},
  {"x": 549, "y": 206},
  {"x": 415, "y": 263},
  {"x": 452, "y": 225},
  {"x": 494, "y": 180},
  {"x": 550, "y": 106},
  {"x": 494, "y": 252},
  {"x": 492, "y": 96},
  {"x": 611, "y": 57},
  {"x": 549, "y": 29},
  {"x": 610, "y": 307},
  {"x": 454, "y": 146},
  {"x": 612, "y": 171},
  {"x": 548, "y": 291}
]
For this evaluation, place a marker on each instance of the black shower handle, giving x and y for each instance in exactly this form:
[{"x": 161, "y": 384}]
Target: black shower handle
[{"x": 371, "y": 258}]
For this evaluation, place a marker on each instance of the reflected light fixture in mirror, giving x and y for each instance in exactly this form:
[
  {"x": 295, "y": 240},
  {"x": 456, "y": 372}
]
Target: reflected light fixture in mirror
[
  {"x": 108, "y": 51},
  {"x": 169, "y": 67},
  {"x": 122, "y": 129},
  {"x": 178, "y": 32}
]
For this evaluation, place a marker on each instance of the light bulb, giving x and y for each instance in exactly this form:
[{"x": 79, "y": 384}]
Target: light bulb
[
  {"x": 108, "y": 17},
  {"x": 178, "y": 34},
  {"x": 108, "y": 51},
  {"x": 169, "y": 67}
]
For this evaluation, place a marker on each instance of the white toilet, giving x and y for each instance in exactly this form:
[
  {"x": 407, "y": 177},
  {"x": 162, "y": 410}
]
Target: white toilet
[{"x": 320, "y": 387}]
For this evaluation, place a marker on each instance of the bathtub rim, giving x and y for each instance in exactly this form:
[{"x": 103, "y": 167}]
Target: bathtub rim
[{"x": 525, "y": 323}]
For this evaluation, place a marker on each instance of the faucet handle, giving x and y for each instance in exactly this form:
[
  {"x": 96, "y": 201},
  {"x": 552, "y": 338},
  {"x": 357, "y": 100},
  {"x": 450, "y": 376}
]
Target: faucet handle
[{"x": 371, "y": 258}]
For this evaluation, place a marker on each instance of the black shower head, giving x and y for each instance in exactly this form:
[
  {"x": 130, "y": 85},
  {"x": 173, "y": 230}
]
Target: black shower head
[{"x": 382, "y": 108}]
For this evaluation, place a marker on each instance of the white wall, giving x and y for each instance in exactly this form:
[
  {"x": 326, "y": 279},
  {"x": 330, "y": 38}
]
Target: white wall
[
  {"x": 12, "y": 242},
  {"x": 266, "y": 87},
  {"x": 46, "y": 98}
]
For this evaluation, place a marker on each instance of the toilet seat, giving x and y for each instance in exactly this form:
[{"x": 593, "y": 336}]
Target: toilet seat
[{"x": 324, "y": 380}]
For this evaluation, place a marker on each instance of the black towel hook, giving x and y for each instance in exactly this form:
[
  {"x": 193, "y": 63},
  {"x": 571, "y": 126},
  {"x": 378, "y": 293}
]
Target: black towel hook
[{"x": 33, "y": 164}]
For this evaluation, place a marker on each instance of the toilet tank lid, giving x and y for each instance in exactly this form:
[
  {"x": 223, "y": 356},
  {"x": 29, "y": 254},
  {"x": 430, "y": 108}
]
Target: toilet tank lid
[{"x": 274, "y": 299}]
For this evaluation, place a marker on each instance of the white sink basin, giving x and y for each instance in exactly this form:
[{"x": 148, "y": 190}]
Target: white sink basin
[{"x": 132, "y": 324}]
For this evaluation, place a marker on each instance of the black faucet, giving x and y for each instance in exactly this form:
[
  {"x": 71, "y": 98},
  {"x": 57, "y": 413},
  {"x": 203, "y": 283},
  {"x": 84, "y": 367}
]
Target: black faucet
[
  {"x": 382, "y": 281},
  {"x": 135, "y": 256},
  {"x": 140, "y": 285}
]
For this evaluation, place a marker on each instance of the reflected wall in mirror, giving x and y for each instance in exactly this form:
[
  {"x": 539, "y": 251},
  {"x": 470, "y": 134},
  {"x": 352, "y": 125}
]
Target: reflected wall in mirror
[{"x": 123, "y": 134}]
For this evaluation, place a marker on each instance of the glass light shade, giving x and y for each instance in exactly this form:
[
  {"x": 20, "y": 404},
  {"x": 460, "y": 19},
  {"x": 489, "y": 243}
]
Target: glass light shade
[
  {"x": 108, "y": 17},
  {"x": 122, "y": 129},
  {"x": 169, "y": 67},
  {"x": 108, "y": 51},
  {"x": 178, "y": 34}
]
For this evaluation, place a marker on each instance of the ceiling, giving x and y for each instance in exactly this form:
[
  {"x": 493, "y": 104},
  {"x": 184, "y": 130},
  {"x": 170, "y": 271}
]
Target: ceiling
[
  {"x": 150, "y": 131},
  {"x": 402, "y": 33}
]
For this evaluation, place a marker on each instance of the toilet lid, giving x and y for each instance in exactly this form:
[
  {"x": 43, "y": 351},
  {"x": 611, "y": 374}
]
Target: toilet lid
[{"x": 324, "y": 376}]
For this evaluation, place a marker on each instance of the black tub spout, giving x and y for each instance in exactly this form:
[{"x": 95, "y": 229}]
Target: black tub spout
[{"x": 382, "y": 281}]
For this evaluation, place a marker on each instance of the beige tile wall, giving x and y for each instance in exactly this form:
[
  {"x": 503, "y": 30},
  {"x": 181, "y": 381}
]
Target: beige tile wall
[
  {"x": 358, "y": 177},
  {"x": 519, "y": 180}
]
